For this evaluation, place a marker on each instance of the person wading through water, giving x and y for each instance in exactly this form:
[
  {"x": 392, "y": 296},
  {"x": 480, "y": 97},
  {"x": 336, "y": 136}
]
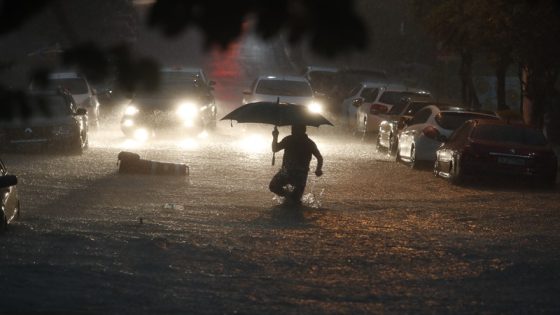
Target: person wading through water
[{"x": 298, "y": 149}]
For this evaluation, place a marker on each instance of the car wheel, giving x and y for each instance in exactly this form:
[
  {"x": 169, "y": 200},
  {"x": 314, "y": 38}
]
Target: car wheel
[
  {"x": 3, "y": 222},
  {"x": 413, "y": 163},
  {"x": 17, "y": 212},
  {"x": 75, "y": 146},
  {"x": 393, "y": 145},
  {"x": 378, "y": 144},
  {"x": 455, "y": 175}
]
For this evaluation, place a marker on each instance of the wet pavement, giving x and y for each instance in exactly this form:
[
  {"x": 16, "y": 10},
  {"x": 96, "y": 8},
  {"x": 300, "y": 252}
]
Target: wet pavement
[{"x": 374, "y": 236}]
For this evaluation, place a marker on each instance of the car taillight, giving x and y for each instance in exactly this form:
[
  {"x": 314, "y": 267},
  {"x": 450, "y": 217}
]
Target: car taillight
[
  {"x": 431, "y": 132},
  {"x": 378, "y": 109}
]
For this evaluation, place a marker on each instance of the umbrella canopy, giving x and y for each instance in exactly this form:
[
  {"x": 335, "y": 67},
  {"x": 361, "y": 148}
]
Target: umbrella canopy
[{"x": 277, "y": 114}]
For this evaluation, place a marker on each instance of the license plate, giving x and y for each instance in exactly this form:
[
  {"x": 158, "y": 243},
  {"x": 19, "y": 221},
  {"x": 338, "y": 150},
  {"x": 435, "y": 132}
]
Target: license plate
[{"x": 510, "y": 160}]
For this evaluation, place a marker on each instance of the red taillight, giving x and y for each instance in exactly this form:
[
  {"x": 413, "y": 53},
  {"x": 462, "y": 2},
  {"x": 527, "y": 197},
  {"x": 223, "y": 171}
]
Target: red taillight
[
  {"x": 375, "y": 109},
  {"x": 431, "y": 132}
]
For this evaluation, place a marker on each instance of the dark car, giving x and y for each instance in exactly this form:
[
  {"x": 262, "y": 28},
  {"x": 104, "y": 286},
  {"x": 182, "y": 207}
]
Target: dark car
[
  {"x": 10, "y": 200},
  {"x": 481, "y": 147},
  {"x": 56, "y": 122},
  {"x": 183, "y": 103},
  {"x": 395, "y": 119}
]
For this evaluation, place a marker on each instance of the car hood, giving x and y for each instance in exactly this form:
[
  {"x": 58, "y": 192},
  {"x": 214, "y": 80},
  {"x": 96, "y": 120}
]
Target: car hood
[
  {"x": 283, "y": 99},
  {"x": 39, "y": 122},
  {"x": 483, "y": 147}
]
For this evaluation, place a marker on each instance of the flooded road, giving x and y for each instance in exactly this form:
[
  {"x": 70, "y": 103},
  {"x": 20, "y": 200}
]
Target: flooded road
[{"x": 373, "y": 236}]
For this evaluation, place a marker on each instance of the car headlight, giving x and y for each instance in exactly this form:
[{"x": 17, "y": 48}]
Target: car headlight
[
  {"x": 131, "y": 110},
  {"x": 128, "y": 123},
  {"x": 187, "y": 110},
  {"x": 63, "y": 130},
  {"x": 315, "y": 107}
]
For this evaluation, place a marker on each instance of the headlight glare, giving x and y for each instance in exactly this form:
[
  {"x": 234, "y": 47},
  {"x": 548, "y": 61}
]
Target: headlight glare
[
  {"x": 187, "y": 110},
  {"x": 315, "y": 107},
  {"x": 131, "y": 110}
]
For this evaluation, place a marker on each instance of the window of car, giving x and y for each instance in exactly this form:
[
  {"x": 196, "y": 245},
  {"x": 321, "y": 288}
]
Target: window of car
[
  {"x": 421, "y": 117},
  {"x": 354, "y": 91},
  {"x": 49, "y": 105},
  {"x": 509, "y": 134},
  {"x": 73, "y": 85},
  {"x": 395, "y": 97},
  {"x": 461, "y": 134},
  {"x": 369, "y": 94},
  {"x": 452, "y": 120},
  {"x": 284, "y": 87}
]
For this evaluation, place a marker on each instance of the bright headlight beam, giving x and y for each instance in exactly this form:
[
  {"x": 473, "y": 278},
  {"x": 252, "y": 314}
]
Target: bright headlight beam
[
  {"x": 315, "y": 107},
  {"x": 131, "y": 110},
  {"x": 187, "y": 110}
]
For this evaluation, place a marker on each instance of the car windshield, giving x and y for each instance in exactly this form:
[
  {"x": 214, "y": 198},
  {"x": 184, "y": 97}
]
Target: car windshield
[
  {"x": 403, "y": 109},
  {"x": 509, "y": 134},
  {"x": 172, "y": 85},
  {"x": 49, "y": 105},
  {"x": 453, "y": 120},
  {"x": 73, "y": 85},
  {"x": 284, "y": 87},
  {"x": 395, "y": 98},
  {"x": 322, "y": 80}
]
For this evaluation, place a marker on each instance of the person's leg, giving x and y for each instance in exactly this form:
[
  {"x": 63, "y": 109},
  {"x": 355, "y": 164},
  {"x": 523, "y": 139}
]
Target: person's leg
[
  {"x": 299, "y": 180},
  {"x": 278, "y": 182}
]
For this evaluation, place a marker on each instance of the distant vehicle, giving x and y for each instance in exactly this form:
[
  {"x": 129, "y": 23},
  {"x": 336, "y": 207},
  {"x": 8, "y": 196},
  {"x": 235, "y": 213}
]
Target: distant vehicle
[
  {"x": 395, "y": 119},
  {"x": 322, "y": 79},
  {"x": 481, "y": 147},
  {"x": 84, "y": 94},
  {"x": 285, "y": 89},
  {"x": 57, "y": 122},
  {"x": 10, "y": 200},
  {"x": 428, "y": 128},
  {"x": 370, "y": 114},
  {"x": 183, "y": 103}
]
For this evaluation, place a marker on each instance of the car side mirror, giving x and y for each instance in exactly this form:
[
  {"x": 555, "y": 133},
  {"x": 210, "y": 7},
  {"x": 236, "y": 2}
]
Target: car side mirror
[
  {"x": 81, "y": 111},
  {"x": 8, "y": 180},
  {"x": 357, "y": 102}
]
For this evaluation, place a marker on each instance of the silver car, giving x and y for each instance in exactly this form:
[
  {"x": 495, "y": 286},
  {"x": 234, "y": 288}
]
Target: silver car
[{"x": 428, "y": 129}]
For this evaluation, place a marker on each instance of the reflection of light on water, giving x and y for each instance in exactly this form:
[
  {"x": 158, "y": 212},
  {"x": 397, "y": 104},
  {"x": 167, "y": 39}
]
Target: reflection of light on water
[
  {"x": 203, "y": 135},
  {"x": 131, "y": 144},
  {"x": 254, "y": 144},
  {"x": 188, "y": 144}
]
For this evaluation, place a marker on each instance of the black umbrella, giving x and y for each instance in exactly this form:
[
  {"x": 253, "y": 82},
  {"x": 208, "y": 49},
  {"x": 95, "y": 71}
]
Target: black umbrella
[{"x": 277, "y": 114}]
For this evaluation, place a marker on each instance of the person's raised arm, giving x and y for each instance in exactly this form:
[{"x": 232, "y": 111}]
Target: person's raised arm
[
  {"x": 275, "y": 145},
  {"x": 319, "y": 157}
]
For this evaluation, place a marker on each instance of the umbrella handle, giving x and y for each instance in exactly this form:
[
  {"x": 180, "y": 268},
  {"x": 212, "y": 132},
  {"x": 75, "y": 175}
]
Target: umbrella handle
[{"x": 273, "y": 157}]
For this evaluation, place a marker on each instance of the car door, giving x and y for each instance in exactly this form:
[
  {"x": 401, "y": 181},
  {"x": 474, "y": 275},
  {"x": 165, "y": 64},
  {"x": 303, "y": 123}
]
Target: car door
[
  {"x": 368, "y": 95},
  {"x": 414, "y": 128},
  {"x": 9, "y": 197}
]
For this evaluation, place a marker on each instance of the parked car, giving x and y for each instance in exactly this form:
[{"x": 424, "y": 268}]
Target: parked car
[
  {"x": 10, "y": 201},
  {"x": 323, "y": 83},
  {"x": 183, "y": 103},
  {"x": 369, "y": 114},
  {"x": 284, "y": 89},
  {"x": 424, "y": 133},
  {"x": 82, "y": 91},
  {"x": 347, "y": 79},
  {"x": 56, "y": 122},
  {"x": 362, "y": 92},
  {"x": 481, "y": 147},
  {"x": 395, "y": 119}
]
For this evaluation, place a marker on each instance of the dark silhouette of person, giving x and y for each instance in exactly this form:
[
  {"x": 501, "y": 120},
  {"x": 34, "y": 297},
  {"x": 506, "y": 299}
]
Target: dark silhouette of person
[{"x": 298, "y": 149}]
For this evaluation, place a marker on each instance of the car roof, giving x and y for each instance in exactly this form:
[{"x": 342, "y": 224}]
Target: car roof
[
  {"x": 321, "y": 68},
  {"x": 404, "y": 88},
  {"x": 181, "y": 69},
  {"x": 501, "y": 122},
  {"x": 64, "y": 75},
  {"x": 282, "y": 78}
]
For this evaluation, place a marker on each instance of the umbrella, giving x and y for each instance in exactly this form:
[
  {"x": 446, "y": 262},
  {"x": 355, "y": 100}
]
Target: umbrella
[{"x": 277, "y": 114}]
